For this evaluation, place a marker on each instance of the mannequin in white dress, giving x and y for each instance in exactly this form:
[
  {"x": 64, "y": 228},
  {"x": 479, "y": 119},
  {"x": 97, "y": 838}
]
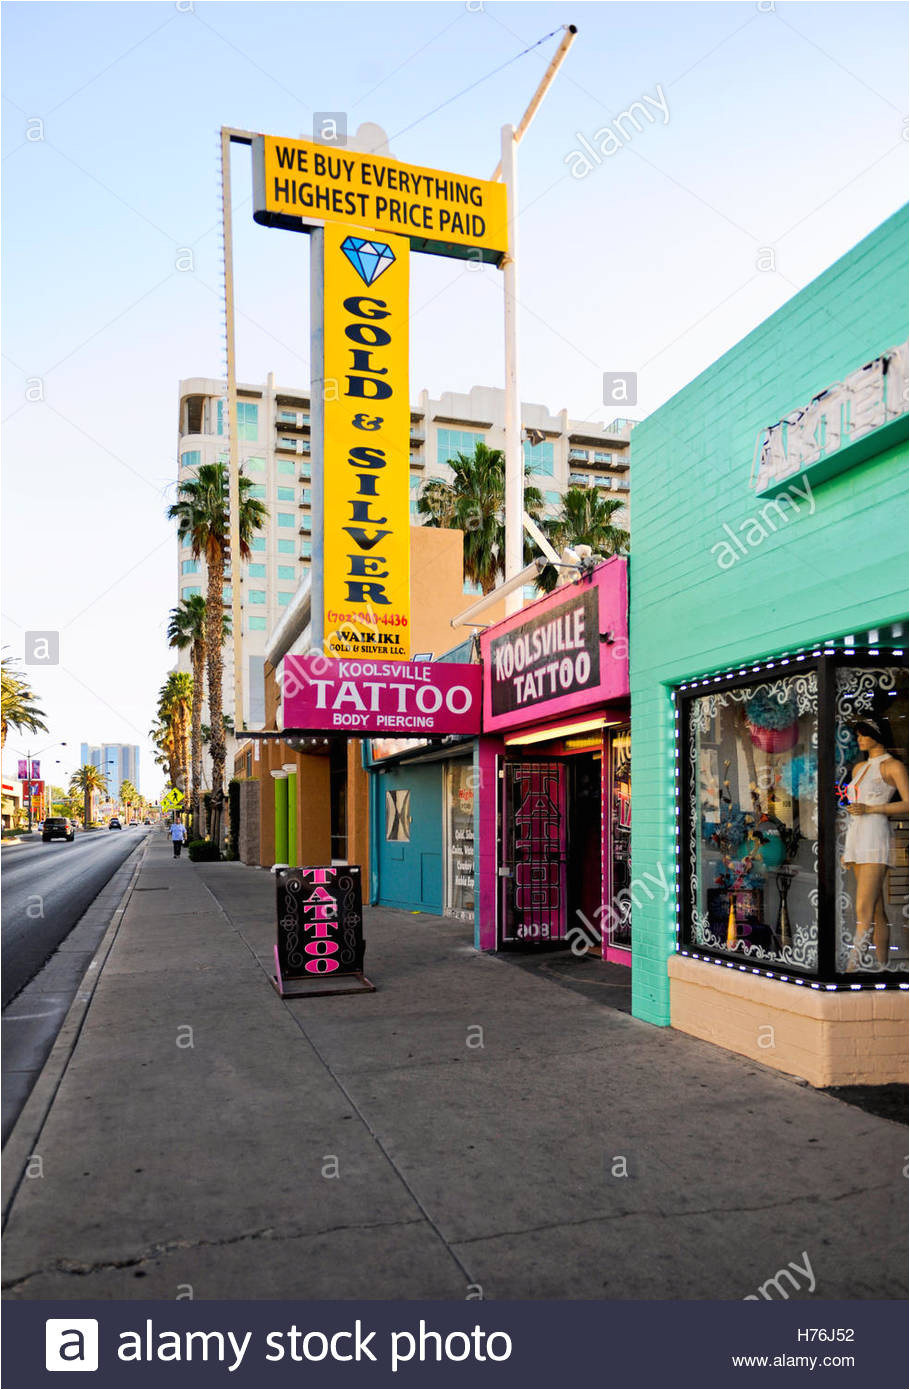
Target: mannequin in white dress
[{"x": 867, "y": 849}]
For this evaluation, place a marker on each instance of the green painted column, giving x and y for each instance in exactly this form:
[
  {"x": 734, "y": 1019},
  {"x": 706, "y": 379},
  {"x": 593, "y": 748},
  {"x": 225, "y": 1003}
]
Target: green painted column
[
  {"x": 281, "y": 816},
  {"x": 291, "y": 770}
]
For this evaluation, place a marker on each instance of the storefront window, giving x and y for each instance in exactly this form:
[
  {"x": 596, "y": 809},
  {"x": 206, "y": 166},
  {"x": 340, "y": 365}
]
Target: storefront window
[
  {"x": 871, "y": 847},
  {"x": 620, "y": 842},
  {"x": 460, "y": 840},
  {"x": 776, "y": 868},
  {"x": 398, "y": 816},
  {"x": 753, "y": 831}
]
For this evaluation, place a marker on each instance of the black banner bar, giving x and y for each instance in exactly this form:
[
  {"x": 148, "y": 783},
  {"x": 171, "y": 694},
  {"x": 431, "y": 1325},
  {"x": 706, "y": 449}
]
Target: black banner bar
[{"x": 261, "y": 1344}]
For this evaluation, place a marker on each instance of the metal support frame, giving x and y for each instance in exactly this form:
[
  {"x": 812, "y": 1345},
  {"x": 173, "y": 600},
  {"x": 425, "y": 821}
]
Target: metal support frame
[
  {"x": 514, "y": 501},
  {"x": 229, "y": 137}
]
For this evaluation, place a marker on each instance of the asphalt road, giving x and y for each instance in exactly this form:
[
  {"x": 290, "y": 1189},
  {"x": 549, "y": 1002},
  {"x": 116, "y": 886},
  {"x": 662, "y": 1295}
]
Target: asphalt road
[{"x": 46, "y": 889}]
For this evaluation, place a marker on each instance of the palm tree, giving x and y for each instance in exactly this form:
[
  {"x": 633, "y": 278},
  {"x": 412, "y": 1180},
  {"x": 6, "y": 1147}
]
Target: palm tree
[
  {"x": 585, "y": 518},
  {"x": 186, "y": 628},
  {"x": 128, "y": 796},
  {"x": 175, "y": 703},
  {"x": 161, "y": 735},
  {"x": 88, "y": 780},
  {"x": 473, "y": 502},
  {"x": 202, "y": 516},
  {"x": 18, "y": 707}
]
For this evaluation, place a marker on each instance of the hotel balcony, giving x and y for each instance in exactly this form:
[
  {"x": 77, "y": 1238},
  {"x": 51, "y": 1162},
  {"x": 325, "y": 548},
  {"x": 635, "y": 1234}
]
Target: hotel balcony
[
  {"x": 620, "y": 428},
  {"x": 292, "y": 419}
]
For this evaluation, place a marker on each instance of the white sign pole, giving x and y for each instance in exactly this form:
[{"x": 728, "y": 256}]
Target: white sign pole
[
  {"x": 507, "y": 169},
  {"x": 317, "y": 437},
  {"x": 514, "y": 501},
  {"x": 233, "y": 547}
]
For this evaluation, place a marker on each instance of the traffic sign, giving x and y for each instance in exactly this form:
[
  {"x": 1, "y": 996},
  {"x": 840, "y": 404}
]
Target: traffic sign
[{"x": 172, "y": 799}]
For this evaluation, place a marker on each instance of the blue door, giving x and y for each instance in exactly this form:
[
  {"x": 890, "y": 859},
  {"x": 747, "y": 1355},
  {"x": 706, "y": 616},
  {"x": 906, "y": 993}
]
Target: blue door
[{"x": 408, "y": 831}]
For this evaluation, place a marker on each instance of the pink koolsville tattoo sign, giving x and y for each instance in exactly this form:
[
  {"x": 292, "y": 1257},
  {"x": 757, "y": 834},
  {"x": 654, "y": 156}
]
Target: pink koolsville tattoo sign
[{"x": 381, "y": 697}]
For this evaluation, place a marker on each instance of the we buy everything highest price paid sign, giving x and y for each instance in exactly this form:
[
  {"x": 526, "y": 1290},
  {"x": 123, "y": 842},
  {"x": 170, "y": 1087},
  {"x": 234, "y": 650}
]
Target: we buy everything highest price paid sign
[{"x": 296, "y": 182}]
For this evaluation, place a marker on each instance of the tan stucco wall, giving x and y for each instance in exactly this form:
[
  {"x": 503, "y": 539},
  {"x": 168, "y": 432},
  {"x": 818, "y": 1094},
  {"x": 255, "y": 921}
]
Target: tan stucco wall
[
  {"x": 314, "y": 810},
  {"x": 836, "y": 1038},
  {"x": 272, "y": 694},
  {"x": 437, "y": 591},
  {"x": 358, "y": 807}
]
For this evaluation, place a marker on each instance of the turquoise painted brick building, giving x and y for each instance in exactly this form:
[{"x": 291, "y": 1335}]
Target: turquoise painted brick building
[{"x": 768, "y": 616}]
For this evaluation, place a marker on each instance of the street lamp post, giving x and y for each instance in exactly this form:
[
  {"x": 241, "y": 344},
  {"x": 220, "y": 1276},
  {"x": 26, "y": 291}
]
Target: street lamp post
[
  {"x": 28, "y": 755},
  {"x": 109, "y": 762}
]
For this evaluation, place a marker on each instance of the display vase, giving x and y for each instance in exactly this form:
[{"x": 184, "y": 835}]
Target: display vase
[
  {"x": 784, "y": 932},
  {"x": 774, "y": 740},
  {"x": 735, "y": 914}
]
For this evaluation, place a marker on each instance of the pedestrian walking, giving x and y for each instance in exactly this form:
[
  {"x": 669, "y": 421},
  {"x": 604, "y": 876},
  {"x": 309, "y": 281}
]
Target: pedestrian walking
[{"x": 178, "y": 837}]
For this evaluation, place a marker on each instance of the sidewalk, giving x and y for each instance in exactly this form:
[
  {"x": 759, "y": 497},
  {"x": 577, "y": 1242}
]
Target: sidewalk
[{"x": 358, "y": 1147}]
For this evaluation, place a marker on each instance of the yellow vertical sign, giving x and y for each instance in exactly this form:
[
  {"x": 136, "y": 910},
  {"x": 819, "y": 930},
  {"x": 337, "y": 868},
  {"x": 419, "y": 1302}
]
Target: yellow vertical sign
[{"x": 366, "y": 462}]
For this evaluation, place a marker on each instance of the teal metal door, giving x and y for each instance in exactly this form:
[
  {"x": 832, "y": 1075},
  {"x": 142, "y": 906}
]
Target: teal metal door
[{"x": 409, "y": 830}]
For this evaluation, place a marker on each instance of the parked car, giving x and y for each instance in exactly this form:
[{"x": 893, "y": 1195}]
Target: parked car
[
  {"x": 146, "y": 821},
  {"x": 57, "y": 828},
  {"x": 114, "y": 824}
]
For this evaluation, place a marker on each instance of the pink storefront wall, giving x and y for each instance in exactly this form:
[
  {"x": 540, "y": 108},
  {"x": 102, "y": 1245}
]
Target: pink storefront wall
[{"x": 608, "y": 697}]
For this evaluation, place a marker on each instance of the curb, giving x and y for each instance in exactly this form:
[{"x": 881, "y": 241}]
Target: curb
[{"x": 27, "y": 1129}]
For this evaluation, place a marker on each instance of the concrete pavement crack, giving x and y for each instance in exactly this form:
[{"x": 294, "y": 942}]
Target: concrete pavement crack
[
  {"x": 170, "y": 1247},
  {"x": 664, "y": 1215}
]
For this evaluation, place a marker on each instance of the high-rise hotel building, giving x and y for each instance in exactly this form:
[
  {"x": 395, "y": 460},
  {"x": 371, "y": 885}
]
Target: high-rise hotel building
[
  {"x": 117, "y": 763},
  {"x": 274, "y": 444}
]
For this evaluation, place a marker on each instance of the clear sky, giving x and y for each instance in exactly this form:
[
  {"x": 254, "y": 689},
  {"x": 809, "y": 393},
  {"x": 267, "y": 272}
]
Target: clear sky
[{"x": 777, "y": 126}]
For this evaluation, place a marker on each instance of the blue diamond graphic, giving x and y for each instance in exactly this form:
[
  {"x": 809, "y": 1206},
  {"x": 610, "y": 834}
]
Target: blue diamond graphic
[{"x": 369, "y": 258}]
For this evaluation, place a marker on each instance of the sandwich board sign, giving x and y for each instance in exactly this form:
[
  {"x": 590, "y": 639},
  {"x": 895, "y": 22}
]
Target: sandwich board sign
[{"x": 320, "y": 931}]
